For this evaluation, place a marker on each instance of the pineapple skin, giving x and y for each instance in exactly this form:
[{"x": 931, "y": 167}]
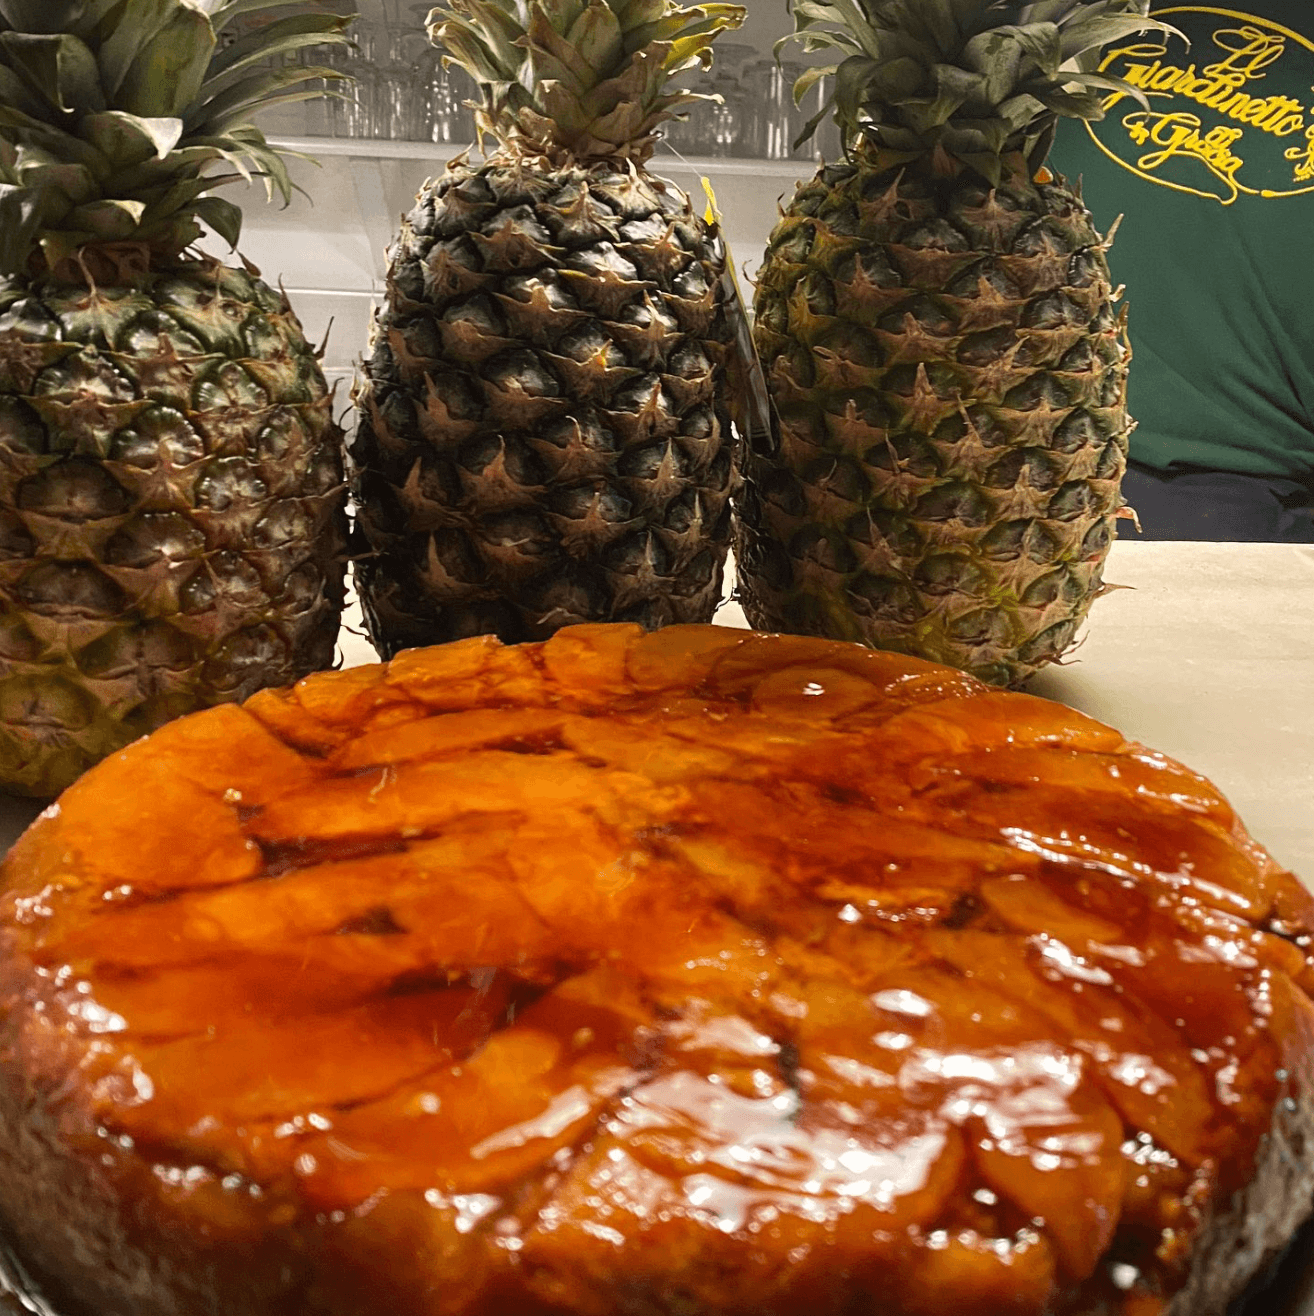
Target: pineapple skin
[
  {"x": 949, "y": 369},
  {"x": 545, "y": 435},
  {"x": 172, "y": 510}
]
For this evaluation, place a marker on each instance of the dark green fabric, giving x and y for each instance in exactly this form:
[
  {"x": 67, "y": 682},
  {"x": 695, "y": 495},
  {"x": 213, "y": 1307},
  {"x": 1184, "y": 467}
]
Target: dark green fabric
[{"x": 1216, "y": 246}]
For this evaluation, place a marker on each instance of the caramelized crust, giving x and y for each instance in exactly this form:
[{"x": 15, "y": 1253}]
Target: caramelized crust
[{"x": 698, "y": 973}]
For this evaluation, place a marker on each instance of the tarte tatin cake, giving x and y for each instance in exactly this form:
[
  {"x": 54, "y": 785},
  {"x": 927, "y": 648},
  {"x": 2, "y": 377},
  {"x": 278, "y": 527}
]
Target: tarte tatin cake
[{"x": 688, "y": 974}]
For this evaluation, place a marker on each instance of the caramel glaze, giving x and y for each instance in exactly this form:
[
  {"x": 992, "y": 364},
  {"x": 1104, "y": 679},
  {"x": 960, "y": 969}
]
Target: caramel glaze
[{"x": 699, "y": 972}]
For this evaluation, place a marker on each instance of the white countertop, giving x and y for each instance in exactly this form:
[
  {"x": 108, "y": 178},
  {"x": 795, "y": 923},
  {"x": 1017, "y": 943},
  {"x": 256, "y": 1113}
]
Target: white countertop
[{"x": 1207, "y": 655}]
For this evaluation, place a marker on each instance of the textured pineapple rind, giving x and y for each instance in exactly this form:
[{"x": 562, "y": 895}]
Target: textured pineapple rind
[
  {"x": 545, "y": 435},
  {"x": 950, "y": 372},
  {"x": 172, "y": 510}
]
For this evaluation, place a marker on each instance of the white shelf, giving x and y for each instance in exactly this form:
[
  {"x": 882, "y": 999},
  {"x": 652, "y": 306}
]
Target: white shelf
[
  {"x": 735, "y": 166},
  {"x": 376, "y": 148},
  {"x": 367, "y": 148}
]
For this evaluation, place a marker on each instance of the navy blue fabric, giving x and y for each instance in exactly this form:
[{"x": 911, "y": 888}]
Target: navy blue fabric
[{"x": 1217, "y": 505}]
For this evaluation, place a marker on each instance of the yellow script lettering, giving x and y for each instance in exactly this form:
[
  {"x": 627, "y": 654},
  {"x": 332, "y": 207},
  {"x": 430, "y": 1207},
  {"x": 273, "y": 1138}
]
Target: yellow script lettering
[
  {"x": 1254, "y": 52},
  {"x": 1303, "y": 158},
  {"x": 1218, "y": 86},
  {"x": 1179, "y": 135},
  {"x": 1225, "y": 87}
]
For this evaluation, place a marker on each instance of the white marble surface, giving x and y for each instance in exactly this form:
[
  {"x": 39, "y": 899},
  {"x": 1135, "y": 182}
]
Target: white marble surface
[{"x": 1209, "y": 657}]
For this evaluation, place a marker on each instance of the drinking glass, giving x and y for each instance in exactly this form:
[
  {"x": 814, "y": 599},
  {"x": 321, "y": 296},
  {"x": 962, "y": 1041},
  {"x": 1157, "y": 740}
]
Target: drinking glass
[
  {"x": 695, "y": 135},
  {"x": 442, "y": 94},
  {"x": 351, "y": 112},
  {"x": 400, "y": 106},
  {"x": 825, "y": 143},
  {"x": 770, "y": 102},
  {"x": 315, "y": 113},
  {"x": 725, "y": 119},
  {"x": 775, "y": 122},
  {"x": 727, "y": 130}
]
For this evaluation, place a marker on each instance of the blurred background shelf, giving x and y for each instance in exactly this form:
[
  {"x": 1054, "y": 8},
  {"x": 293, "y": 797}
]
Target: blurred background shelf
[{"x": 378, "y": 148}]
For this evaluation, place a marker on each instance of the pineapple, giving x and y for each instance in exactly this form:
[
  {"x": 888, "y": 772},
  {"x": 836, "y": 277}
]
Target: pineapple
[
  {"x": 944, "y": 350},
  {"x": 172, "y": 505},
  {"x": 545, "y": 430}
]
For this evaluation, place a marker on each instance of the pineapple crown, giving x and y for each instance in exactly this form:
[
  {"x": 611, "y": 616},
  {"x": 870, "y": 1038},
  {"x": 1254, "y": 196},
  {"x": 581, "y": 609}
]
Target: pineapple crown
[
  {"x": 972, "y": 84},
  {"x": 115, "y": 113},
  {"x": 580, "y": 80}
]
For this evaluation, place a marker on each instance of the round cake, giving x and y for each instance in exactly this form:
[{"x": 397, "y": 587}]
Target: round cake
[{"x": 699, "y": 973}]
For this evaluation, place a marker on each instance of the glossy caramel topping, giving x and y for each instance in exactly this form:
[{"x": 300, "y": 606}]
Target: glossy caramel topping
[{"x": 794, "y": 970}]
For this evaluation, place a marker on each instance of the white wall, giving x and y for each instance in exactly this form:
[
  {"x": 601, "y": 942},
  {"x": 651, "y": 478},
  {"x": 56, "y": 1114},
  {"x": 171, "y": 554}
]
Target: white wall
[{"x": 767, "y": 22}]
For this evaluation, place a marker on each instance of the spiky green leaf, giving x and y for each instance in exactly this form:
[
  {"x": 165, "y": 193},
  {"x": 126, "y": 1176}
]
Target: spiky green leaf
[
  {"x": 1101, "y": 29},
  {"x": 79, "y": 77},
  {"x": 39, "y": 16},
  {"x": 843, "y": 14},
  {"x": 16, "y": 93},
  {"x": 224, "y": 15},
  {"x": 127, "y": 139},
  {"x": 258, "y": 90},
  {"x": 553, "y": 59},
  {"x": 561, "y": 77},
  {"x": 929, "y": 75},
  {"x": 20, "y": 222},
  {"x": 139, "y": 24},
  {"x": 58, "y": 70},
  {"x": 467, "y": 47},
  {"x": 26, "y": 129},
  {"x": 596, "y": 35},
  {"x": 499, "y": 32},
  {"x": 33, "y": 61},
  {"x": 284, "y": 36},
  {"x": 167, "y": 75},
  {"x": 222, "y": 216},
  {"x": 111, "y": 125},
  {"x": 107, "y": 220},
  {"x": 74, "y": 182},
  {"x": 633, "y": 14}
]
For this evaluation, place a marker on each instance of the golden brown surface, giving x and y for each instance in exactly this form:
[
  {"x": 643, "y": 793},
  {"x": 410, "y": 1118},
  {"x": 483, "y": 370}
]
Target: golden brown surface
[{"x": 688, "y": 974}]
